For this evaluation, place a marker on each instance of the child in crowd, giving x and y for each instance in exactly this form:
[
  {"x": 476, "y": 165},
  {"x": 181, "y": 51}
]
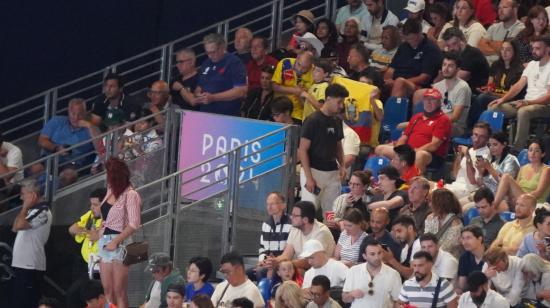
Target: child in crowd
[
  {"x": 285, "y": 271},
  {"x": 144, "y": 139},
  {"x": 315, "y": 96}
]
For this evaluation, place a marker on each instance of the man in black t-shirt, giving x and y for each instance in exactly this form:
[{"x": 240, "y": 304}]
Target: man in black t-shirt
[
  {"x": 184, "y": 85},
  {"x": 358, "y": 60},
  {"x": 473, "y": 65},
  {"x": 321, "y": 152},
  {"x": 414, "y": 65},
  {"x": 114, "y": 98}
]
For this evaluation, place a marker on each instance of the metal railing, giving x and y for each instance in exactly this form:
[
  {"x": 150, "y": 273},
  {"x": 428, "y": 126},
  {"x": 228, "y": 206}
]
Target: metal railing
[
  {"x": 50, "y": 168},
  {"x": 173, "y": 223},
  {"x": 23, "y": 120}
]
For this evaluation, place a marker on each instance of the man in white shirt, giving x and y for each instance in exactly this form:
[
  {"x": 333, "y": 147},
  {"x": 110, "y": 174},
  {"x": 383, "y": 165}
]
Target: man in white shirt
[
  {"x": 351, "y": 146},
  {"x": 415, "y": 10},
  {"x": 32, "y": 225},
  {"x": 464, "y": 169},
  {"x": 479, "y": 294},
  {"x": 373, "y": 22},
  {"x": 354, "y": 8},
  {"x": 505, "y": 274},
  {"x": 322, "y": 264},
  {"x": 11, "y": 159},
  {"x": 304, "y": 228},
  {"x": 372, "y": 284},
  {"x": 536, "y": 77},
  {"x": 508, "y": 27},
  {"x": 236, "y": 284},
  {"x": 445, "y": 265}
]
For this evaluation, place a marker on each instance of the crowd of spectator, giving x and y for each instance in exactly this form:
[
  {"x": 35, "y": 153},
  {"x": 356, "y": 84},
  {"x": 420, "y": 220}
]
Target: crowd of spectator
[{"x": 477, "y": 236}]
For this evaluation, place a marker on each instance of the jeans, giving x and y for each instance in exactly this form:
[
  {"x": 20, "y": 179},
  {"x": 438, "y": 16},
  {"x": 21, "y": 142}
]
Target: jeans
[{"x": 110, "y": 256}]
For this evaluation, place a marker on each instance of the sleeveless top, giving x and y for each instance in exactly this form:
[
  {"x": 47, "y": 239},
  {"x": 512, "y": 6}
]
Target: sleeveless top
[{"x": 531, "y": 184}]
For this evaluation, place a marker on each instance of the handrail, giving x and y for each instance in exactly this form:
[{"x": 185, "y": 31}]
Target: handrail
[
  {"x": 98, "y": 137},
  {"x": 51, "y": 102}
]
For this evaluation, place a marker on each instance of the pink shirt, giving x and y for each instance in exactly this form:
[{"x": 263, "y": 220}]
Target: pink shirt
[{"x": 125, "y": 212}]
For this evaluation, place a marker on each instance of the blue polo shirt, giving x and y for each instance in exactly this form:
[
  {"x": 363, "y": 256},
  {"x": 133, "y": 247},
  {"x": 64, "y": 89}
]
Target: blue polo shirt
[
  {"x": 221, "y": 76},
  {"x": 190, "y": 292},
  {"x": 60, "y": 132},
  {"x": 409, "y": 62}
]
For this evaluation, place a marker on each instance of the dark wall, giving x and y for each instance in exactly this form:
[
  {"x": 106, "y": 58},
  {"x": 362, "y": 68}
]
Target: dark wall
[{"x": 46, "y": 43}]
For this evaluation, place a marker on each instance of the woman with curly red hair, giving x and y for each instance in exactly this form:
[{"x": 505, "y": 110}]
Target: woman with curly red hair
[{"x": 121, "y": 213}]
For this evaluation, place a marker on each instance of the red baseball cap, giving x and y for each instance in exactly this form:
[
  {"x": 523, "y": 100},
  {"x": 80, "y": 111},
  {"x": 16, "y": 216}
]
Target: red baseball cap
[{"x": 433, "y": 93}]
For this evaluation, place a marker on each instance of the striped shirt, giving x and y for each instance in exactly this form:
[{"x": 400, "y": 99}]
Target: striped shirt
[
  {"x": 413, "y": 293},
  {"x": 125, "y": 212},
  {"x": 350, "y": 251},
  {"x": 274, "y": 236}
]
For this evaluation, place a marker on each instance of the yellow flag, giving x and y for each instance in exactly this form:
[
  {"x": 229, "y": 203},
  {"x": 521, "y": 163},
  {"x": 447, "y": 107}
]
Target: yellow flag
[{"x": 358, "y": 110}]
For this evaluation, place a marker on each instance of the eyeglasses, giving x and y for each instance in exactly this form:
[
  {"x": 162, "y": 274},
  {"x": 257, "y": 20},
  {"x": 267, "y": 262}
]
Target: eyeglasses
[
  {"x": 446, "y": 98},
  {"x": 292, "y": 215},
  {"x": 354, "y": 184},
  {"x": 226, "y": 272},
  {"x": 371, "y": 288}
]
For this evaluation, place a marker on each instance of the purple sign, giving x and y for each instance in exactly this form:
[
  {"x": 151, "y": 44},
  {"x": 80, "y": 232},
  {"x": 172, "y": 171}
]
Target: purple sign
[{"x": 204, "y": 136}]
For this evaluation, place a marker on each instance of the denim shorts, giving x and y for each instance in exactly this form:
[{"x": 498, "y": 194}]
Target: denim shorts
[{"x": 110, "y": 256}]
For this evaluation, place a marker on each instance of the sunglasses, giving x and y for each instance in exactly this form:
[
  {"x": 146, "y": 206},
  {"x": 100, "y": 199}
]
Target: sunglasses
[
  {"x": 371, "y": 288},
  {"x": 446, "y": 98}
]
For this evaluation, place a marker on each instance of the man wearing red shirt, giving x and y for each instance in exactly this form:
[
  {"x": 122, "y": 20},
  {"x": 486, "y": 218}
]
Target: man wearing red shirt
[
  {"x": 428, "y": 133},
  {"x": 260, "y": 59}
]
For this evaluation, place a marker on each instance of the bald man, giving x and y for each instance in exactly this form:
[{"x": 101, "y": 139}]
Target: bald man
[
  {"x": 513, "y": 232},
  {"x": 379, "y": 220},
  {"x": 159, "y": 100},
  {"x": 243, "y": 37},
  {"x": 293, "y": 76}
]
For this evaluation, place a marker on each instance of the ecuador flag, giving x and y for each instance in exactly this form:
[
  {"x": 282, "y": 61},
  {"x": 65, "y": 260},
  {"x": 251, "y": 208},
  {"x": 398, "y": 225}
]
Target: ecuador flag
[{"x": 358, "y": 110}]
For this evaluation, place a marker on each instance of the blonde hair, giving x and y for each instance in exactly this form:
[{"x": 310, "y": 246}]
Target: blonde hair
[
  {"x": 495, "y": 254},
  {"x": 292, "y": 293}
]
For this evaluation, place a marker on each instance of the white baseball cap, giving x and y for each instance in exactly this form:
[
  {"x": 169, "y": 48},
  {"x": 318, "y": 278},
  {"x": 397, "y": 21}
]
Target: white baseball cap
[
  {"x": 311, "y": 247},
  {"x": 415, "y": 6},
  {"x": 311, "y": 39}
]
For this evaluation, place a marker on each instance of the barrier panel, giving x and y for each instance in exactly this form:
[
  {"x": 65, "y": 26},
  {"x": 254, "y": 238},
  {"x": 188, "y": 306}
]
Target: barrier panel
[{"x": 200, "y": 142}]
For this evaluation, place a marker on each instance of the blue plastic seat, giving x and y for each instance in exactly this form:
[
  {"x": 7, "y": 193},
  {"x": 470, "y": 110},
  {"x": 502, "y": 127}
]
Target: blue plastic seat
[
  {"x": 395, "y": 112},
  {"x": 508, "y": 216},
  {"x": 396, "y": 134},
  {"x": 495, "y": 120},
  {"x": 522, "y": 157},
  {"x": 375, "y": 163},
  {"x": 418, "y": 108},
  {"x": 469, "y": 215}
]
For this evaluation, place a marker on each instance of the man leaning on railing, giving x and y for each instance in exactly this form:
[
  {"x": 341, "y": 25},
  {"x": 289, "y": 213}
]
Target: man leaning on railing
[{"x": 61, "y": 132}]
